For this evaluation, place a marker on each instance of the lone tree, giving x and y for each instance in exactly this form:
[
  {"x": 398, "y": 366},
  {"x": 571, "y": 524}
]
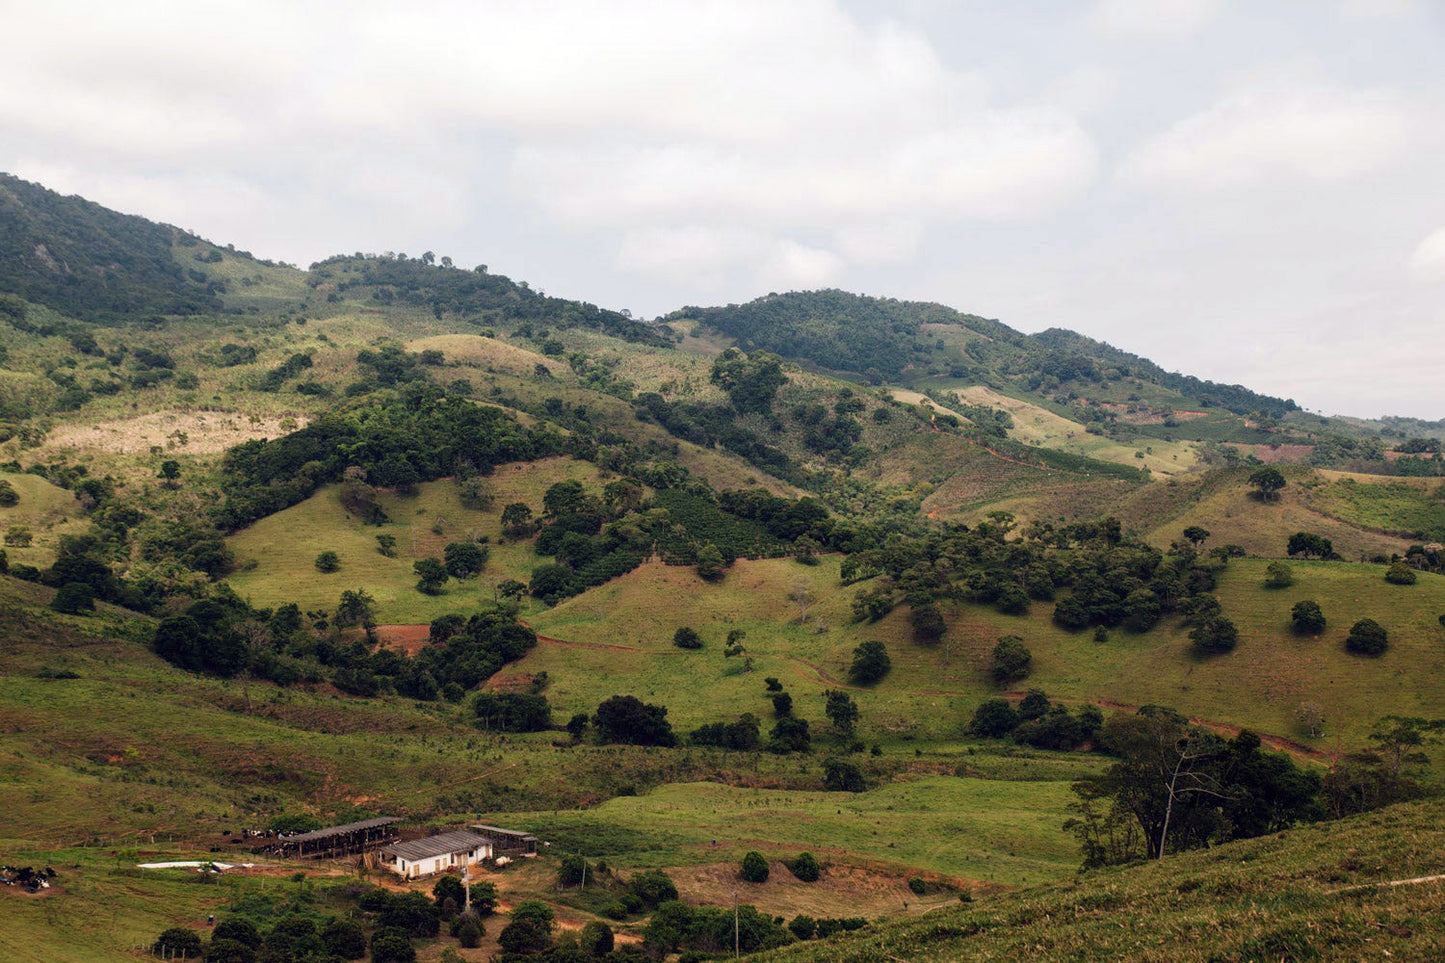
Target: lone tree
[
  {"x": 841, "y": 711},
  {"x": 386, "y": 545},
  {"x": 686, "y": 638},
  {"x": 1367, "y": 637},
  {"x": 710, "y": 563},
  {"x": 1306, "y": 618},
  {"x": 1011, "y": 660},
  {"x": 170, "y": 472},
  {"x": 754, "y": 868},
  {"x": 928, "y": 624},
  {"x": 431, "y": 575},
  {"x": 1267, "y": 482},
  {"x": 1400, "y": 574},
  {"x": 870, "y": 663},
  {"x": 1196, "y": 536},
  {"x": 328, "y": 562},
  {"x": 1278, "y": 576},
  {"x": 1215, "y": 637},
  {"x": 9, "y": 497}
]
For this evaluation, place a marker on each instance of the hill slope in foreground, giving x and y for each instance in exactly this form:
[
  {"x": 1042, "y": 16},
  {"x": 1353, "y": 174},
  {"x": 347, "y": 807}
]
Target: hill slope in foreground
[{"x": 1364, "y": 888}]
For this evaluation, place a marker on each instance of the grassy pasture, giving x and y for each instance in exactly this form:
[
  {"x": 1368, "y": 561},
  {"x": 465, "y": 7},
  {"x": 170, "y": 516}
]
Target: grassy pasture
[
  {"x": 1404, "y": 507},
  {"x": 1320, "y": 892},
  {"x": 931, "y": 690},
  {"x": 979, "y": 831},
  {"x": 284, "y": 546},
  {"x": 47, "y": 510},
  {"x": 1035, "y": 425}
]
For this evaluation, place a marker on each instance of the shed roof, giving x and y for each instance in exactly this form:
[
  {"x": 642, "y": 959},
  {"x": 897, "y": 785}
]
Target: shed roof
[
  {"x": 330, "y": 831},
  {"x": 460, "y": 841},
  {"x": 499, "y": 831}
]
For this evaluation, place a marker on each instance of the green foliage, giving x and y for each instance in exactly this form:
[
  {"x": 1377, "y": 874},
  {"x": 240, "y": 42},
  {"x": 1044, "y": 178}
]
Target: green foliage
[
  {"x": 917, "y": 886},
  {"x": 1278, "y": 575},
  {"x": 1306, "y": 618},
  {"x": 465, "y": 559},
  {"x": 595, "y": 939},
  {"x": 178, "y": 942},
  {"x": 993, "y": 719},
  {"x": 789, "y": 734},
  {"x": 1367, "y": 637},
  {"x": 841, "y": 711},
  {"x": 1267, "y": 482},
  {"x": 328, "y": 562},
  {"x": 9, "y": 497},
  {"x": 741, "y": 736},
  {"x": 754, "y": 868},
  {"x": 805, "y": 867},
  {"x": 1400, "y": 574},
  {"x": 627, "y": 719},
  {"x": 686, "y": 638},
  {"x": 927, "y": 622},
  {"x": 431, "y": 575},
  {"x": 512, "y": 711},
  {"x": 573, "y": 870},
  {"x": 1310, "y": 545},
  {"x": 1216, "y": 636},
  {"x": 710, "y": 563},
  {"x": 750, "y": 382},
  {"x": 74, "y": 598},
  {"x": 1011, "y": 660},
  {"x": 653, "y": 886},
  {"x": 870, "y": 663},
  {"x": 842, "y": 776}
]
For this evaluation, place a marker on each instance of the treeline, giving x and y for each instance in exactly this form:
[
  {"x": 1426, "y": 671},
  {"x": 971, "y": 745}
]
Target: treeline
[
  {"x": 418, "y": 435},
  {"x": 474, "y": 294},
  {"x": 92, "y": 263}
]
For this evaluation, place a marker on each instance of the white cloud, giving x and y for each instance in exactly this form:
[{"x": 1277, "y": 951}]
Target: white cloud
[
  {"x": 1428, "y": 262},
  {"x": 1152, "y": 18},
  {"x": 691, "y": 254},
  {"x": 1275, "y": 134},
  {"x": 882, "y": 242},
  {"x": 1378, "y": 9},
  {"x": 793, "y": 266}
]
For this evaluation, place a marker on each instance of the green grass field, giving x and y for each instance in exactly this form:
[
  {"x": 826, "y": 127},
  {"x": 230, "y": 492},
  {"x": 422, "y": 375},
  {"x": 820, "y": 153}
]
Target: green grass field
[
  {"x": 1320, "y": 892},
  {"x": 47, "y": 511}
]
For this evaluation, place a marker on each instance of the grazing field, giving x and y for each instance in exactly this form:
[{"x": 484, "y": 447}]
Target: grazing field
[
  {"x": 1034, "y": 425},
  {"x": 47, "y": 511},
  {"x": 1407, "y": 508},
  {"x": 932, "y": 689},
  {"x": 1320, "y": 892},
  {"x": 277, "y": 555},
  {"x": 976, "y": 834}
]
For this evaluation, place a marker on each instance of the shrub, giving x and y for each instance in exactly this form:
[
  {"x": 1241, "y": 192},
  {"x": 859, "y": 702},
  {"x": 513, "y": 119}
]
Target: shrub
[
  {"x": 465, "y": 559},
  {"x": 238, "y": 929},
  {"x": 9, "y": 497},
  {"x": 710, "y": 563},
  {"x": 1278, "y": 576},
  {"x": 802, "y": 926},
  {"x": 328, "y": 562},
  {"x": 806, "y": 868},
  {"x": 653, "y": 887},
  {"x": 475, "y": 493},
  {"x": 1306, "y": 618},
  {"x": 431, "y": 575},
  {"x": 1011, "y": 660},
  {"x": 917, "y": 886},
  {"x": 1215, "y": 637},
  {"x": 74, "y": 598},
  {"x": 178, "y": 941},
  {"x": 840, "y": 776},
  {"x": 927, "y": 622},
  {"x": 391, "y": 946},
  {"x": 1367, "y": 637},
  {"x": 686, "y": 638},
  {"x": 344, "y": 938},
  {"x": 754, "y": 868},
  {"x": 573, "y": 871},
  {"x": 469, "y": 934},
  {"x": 1400, "y": 574},
  {"x": 596, "y": 939},
  {"x": 994, "y": 719},
  {"x": 386, "y": 545},
  {"x": 870, "y": 663}
]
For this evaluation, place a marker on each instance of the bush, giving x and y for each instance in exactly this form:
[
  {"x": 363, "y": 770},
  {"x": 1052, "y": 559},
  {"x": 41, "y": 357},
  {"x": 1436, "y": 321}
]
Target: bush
[
  {"x": 328, "y": 562},
  {"x": 870, "y": 663},
  {"x": 927, "y": 622},
  {"x": 1367, "y": 637},
  {"x": 475, "y": 493},
  {"x": 596, "y": 939},
  {"x": 840, "y": 776},
  {"x": 573, "y": 871},
  {"x": 754, "y": 868},
  {"x": 471, "y": 931},
  {"x": 1011, "y": 660},
  {"x": 178, "y": 941},
  {"x": 802, "y": 926},
  {"x": 391, "y": 946},
  {"x": 344, "y": 938},
  {"x": 1306, "y": 618},
  {"x": 806, "y": 868},
  {"x": 74, "y": 598},
  {"x": 236, "y": 928},
  {"x": 1278, "y": 576},
  {"x": 1215, "y": 637},
  {"x": 653, "y": 887},
  {"x": 686, "y": 638},
  {"x": 994, "y": 719},
  {"x": 465, "y": 559},
  {"x": 1400, "y": 574},
  {"x": 917, "y": 886},
  {"x": 9, "y": 498}
]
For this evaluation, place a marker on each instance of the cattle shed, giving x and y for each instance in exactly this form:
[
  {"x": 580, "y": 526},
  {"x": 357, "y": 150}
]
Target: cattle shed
[
  {"x": 436, "y": 854},
  {"x": 343, "y": 840},
  {"x": 508, "y": 842}
]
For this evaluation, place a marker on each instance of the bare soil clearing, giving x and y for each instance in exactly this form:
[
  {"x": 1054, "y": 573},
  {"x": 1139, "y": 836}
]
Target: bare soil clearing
[{"x": 193, "y": 432}]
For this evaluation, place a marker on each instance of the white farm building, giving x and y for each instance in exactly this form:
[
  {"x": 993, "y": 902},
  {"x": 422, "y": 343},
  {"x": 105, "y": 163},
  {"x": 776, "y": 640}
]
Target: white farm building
[{"x": 436, "y": 854}]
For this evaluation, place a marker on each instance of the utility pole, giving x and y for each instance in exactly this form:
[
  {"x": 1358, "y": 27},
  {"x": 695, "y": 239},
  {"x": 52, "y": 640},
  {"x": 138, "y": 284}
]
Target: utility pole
[
  {"x": 466, "y": 887},
  {"x": 735, "y": 924}
]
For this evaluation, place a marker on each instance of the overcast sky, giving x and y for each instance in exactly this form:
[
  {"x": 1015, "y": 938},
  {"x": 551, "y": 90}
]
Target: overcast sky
[{"x": 1248, "y": 190}]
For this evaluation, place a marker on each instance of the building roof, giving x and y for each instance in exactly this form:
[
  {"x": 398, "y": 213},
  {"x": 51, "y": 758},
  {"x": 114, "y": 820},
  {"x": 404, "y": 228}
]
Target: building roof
[
  {"x": 499, "y": 831},
  {"x": 330, "y": 831},
  {"x": 460, "y": 841}
]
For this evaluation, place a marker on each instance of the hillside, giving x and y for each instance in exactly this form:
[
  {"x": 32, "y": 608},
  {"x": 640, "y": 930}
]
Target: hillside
[{"x": 1326, "y": 893}]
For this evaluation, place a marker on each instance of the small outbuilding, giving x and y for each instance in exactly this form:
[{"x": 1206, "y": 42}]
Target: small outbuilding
[
  {"x": 507, "y": 842},
  {"x": 436, "y": 854}
]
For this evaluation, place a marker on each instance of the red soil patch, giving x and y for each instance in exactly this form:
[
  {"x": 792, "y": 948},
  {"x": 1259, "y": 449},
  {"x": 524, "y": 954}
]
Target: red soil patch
[{"x": 410, "y": 639}]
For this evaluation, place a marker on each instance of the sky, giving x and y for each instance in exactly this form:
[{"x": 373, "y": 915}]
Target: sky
[{"x": 1251, "y": 191}]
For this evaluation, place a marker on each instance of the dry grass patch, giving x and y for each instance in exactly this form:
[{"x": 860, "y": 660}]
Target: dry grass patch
[
  {"x": 191, "y": 432},
  {"x": 489, "y": 353}
]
